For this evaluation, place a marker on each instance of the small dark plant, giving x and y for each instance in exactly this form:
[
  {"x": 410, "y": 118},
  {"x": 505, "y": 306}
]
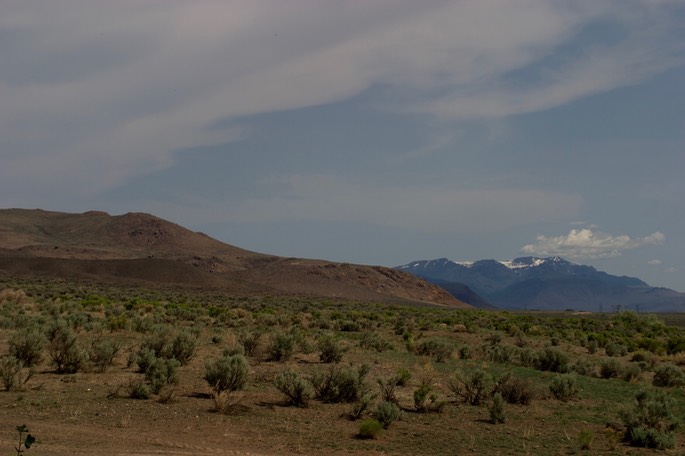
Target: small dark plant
[
  {"x": 497, "y": 413},
  {"x": 25, "y": 441},
  {"x": 585, "y": 438}
]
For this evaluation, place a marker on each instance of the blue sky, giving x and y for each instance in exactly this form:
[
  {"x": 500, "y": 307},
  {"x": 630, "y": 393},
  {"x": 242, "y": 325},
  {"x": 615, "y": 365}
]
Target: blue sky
[{"x": 367, "y": 132}]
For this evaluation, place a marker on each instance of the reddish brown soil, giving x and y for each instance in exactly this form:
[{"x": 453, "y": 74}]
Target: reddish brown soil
[{"x": 140, "y": 249}]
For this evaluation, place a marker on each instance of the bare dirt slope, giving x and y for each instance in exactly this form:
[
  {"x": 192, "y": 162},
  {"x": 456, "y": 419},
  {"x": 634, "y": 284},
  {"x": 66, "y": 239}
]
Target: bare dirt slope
[{"x": 138, "y": 248}]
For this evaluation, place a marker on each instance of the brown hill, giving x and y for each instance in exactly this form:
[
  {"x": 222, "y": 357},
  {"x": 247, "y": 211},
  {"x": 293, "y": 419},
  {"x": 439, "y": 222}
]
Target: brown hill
[{"x": 141, "y": 249}]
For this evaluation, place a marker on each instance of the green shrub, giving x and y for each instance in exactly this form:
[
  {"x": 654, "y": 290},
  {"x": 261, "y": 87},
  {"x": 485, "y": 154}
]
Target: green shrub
[
  {"x": 27, "y": 345},
  {"x": 388, "y": 386},
  {"x": 183, "y": 347},
  {"x": 563, "y": 387},
  {"x": 340, "y": 384},
  {"x": 102, "y": 353},
  {"x": 584, "y": 366},
  {"x": 473, "y": 387},
  {"x": 616, "y": 349},
  {"x": 515, "y": 390},
  {"x": 361, "y": 405},
  {"x": 610, "y": 368},
  {"x": 250, "y": 341},
  {"x": 162, "y": 372},
  {"x": 553, "y": 360},
  {"x": 651, "y": 422},
  {"x": 67, "y": 356},
  {"x": 137, "y": 389},
  {"x": 370, "y": 429},
  {"x": 282, "y": 347},
  {"x": 585, "y": 439},
  {"x": 425, "y": 400},
  {"x": 294, "y": 387},
  {"x": 528, "y": 357},
  {"x": 228, "y": 373},
  {"x": 632, "y": 372},
  {"x": 668, "y": 374},
  {"x": 465, "y": 352},
  {"x": 501, "y": 353},
  {"x": 646, "y": 359},
  {"x": 331, "y": 351},
  {"x": 13, "y": 374},
  {"x": 592, "y": 347},
  {"x": 439, "y": 349},
  {"x": 144, "y": 359},
  {"x": 387, "y": 413},
  {"x": 402, "y": 377},
  {"x": 497, "y": 413},
  {"x": 158, "y": 340},
  {"x": 374, "y": 340}
]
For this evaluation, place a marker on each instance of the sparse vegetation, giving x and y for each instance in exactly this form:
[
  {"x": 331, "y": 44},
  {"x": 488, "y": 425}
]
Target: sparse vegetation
[{"x": 336, "y": 361}]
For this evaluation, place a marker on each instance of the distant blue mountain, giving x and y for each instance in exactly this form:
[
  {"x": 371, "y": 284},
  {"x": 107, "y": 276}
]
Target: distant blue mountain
[{"x": 544, "y": 283}]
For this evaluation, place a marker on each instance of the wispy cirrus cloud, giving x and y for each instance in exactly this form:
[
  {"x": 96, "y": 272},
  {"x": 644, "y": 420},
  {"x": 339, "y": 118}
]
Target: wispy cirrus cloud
[
  {"x": 111, "y": 89},
  {"x": 588, "y": 244}
]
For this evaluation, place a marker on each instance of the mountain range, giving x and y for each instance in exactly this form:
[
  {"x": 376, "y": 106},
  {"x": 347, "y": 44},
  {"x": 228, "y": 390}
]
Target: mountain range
[
  {"x": 138, "y": 249},
  {"x": 544, "y": 283}
]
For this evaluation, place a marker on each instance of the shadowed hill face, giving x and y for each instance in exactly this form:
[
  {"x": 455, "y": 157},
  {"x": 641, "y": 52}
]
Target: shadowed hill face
[{"x": 143, "y": 249}]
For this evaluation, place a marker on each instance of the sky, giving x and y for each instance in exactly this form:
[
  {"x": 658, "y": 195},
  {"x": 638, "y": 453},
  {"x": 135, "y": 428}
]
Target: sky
[{"x": 373, "y": 132}]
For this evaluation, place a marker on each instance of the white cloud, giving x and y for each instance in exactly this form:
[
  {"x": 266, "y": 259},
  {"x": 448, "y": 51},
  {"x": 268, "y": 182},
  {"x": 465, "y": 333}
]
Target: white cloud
[
  {"x": 111, "y": 89},
  {"x": 587, "y": 244},
  {"x": 654, "y": 262}
]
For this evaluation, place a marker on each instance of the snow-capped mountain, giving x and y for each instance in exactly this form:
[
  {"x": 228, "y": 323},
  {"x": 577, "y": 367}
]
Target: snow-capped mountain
[{"x": 546, "y": 283}]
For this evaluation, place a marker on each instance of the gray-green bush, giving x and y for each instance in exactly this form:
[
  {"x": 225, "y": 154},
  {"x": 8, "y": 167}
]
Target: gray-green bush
[
  {"x": 473, "y": 387},
  {"x": 27, "y": 345},
  {"x": 330, "y": 349},
  {"x": 651, "y": 422},
  {"x": 668, "y": 374},
  {"x": 564, "y": 387},
  {"x": 387, "y": 413},
  {"x": 339, "y": 384},
  {"x": 294, "y": 387},
  {"x": 227, "y": 374},
  {"x": 553, "y": 360},
  {"x": 67, "y": 356}
]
